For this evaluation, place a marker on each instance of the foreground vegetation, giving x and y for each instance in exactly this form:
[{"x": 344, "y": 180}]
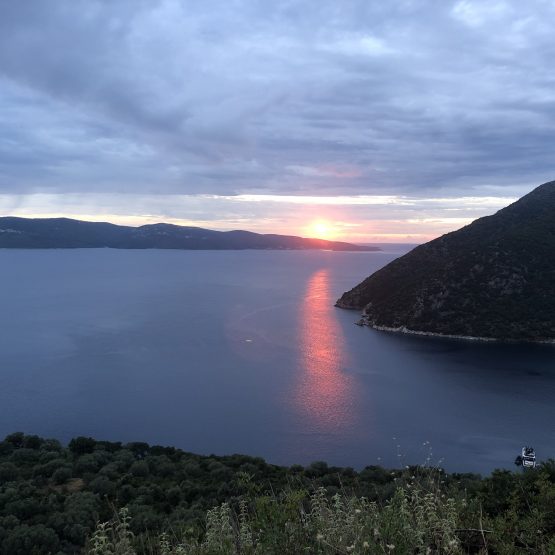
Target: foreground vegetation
[{"x": 59, "y": 500}]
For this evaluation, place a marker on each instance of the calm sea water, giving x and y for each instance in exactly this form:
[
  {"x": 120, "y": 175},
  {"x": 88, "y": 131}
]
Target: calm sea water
[{"x": 244, "y": 352}]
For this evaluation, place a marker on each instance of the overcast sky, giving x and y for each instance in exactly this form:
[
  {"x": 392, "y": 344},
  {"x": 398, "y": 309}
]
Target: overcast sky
[{"x": 395, "y": 120}]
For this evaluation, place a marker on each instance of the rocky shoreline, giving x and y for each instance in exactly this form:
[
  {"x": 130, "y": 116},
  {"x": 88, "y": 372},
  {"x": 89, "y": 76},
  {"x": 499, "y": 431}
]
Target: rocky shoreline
[{"x": 403, "y": 329}]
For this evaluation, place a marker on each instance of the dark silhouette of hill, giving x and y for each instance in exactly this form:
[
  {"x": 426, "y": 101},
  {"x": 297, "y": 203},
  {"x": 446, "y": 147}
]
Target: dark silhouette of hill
[
  {"x": 64, "y": 233},
  {"x": 494, "y": 278}
]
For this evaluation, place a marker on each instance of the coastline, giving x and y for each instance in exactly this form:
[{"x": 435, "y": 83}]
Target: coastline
[{"x": 408, "y": 331}]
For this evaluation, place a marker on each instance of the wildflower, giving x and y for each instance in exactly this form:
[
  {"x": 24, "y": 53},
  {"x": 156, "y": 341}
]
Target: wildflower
[
  {"x": 366, "y": 545},
  {"x": 350, "y": 548},
  {"x": 390, "y": 546},
  {"x": 357, "y": 511},
  {"x": 320, "y": 537}
]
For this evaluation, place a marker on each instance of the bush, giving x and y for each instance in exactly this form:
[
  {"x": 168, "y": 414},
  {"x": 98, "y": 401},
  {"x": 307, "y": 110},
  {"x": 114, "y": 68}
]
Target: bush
[
  {"x": 62, "y": 475},
  {"x": 31, "y": 540},
  {"x": 8, "y": 472},
  {"x": 139, "y": 468},
  {"x": 82, "y": 445},
  {"x": 103, "y": 486}
]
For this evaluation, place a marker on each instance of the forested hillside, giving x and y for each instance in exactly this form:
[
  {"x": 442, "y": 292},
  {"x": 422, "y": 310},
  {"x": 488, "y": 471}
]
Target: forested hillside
[
  {"x": 53, "y": 497},
  {"x": 494, "y": 278}
]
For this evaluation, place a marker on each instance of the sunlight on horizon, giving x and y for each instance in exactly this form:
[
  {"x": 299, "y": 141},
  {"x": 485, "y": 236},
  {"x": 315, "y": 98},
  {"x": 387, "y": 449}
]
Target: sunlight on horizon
[
  {"x": 321, "y": 230},
  {"x": 355, "y": 219}
]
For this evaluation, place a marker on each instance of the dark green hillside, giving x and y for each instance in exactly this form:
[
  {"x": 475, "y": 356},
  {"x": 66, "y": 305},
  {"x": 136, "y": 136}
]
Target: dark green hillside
[
  {"x": 494, "y": 278},
  {"x": 53, "y": 497},
  {"x": 64, "y": 233}
]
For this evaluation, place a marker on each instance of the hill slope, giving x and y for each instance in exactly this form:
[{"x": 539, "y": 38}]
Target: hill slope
[
  {"x": 44, "y": 233},
  {"x": 494, "y": 278}
]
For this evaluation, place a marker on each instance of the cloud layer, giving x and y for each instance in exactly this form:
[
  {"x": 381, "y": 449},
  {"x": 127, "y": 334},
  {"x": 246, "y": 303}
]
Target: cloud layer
[{"x": 425, "y": 98}]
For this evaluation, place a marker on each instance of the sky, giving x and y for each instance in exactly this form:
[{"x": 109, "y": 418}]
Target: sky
[{"x": 360, "y": 120}]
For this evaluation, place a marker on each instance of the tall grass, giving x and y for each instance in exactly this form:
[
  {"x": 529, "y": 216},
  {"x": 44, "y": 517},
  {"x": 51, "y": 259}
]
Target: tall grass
[
  {"x": 511, "y": 514},
  {"x": 418, "y": 518}
]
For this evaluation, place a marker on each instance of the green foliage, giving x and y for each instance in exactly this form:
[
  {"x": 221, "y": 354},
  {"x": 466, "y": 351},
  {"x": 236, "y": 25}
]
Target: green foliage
[
  {"x": 8, "y": 472},
  {"x": 30, "y": 540},
  {"x": 113, "y": 538},
  {"x": 413, "y": 521},
  {"x": 422, "y": 516},
  {"x": 61, "y": 475},
  {"x": 51, "y": 499},
  {"x": 82, "y": 445}
]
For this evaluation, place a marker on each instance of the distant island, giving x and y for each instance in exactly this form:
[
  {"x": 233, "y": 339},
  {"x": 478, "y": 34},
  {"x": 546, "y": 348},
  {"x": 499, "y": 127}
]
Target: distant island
[
  {"x": 65, "y": 233},
  {"x": 493, "y": 279}
]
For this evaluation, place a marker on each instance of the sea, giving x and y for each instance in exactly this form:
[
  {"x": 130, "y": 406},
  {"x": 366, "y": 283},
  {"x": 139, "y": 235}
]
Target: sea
[{"x": 222, "y": 352}]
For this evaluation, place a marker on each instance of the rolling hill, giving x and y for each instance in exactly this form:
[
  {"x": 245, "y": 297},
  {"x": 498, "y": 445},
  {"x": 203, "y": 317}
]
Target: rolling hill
[
  {"x": 494, "y": 278},
  {"x": 64, "y": 233}
]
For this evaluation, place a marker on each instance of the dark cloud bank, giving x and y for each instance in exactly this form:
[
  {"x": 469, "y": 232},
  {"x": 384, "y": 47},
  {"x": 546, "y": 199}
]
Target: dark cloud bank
[{"x": 294, "y": 97}]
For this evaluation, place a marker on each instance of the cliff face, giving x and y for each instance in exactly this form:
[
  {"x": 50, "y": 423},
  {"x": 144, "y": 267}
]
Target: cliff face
[{"x": 494, "y": 278}]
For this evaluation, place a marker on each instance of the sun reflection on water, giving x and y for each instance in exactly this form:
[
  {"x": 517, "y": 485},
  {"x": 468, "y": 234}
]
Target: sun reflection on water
[{"x": 324, "y": 393}]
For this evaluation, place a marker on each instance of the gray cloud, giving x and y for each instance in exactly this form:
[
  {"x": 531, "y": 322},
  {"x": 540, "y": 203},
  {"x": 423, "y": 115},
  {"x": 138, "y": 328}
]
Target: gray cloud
[{"x": 354, "y": 97}]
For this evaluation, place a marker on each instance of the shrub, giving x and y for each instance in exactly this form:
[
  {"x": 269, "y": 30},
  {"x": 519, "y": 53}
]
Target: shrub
[{"x": 62, "y": 475}]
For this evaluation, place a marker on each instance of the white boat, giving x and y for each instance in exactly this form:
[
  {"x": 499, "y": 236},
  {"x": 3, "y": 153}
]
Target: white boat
[{"x": 527, "y": 458}]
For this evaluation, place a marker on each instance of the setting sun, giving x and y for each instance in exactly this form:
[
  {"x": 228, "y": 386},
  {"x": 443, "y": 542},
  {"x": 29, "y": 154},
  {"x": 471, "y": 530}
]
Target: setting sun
[{"x": 321, "y": 230}]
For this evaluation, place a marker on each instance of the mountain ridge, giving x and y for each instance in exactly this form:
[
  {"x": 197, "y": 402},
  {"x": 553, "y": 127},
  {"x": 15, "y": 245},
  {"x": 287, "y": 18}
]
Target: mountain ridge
[
  {"x": 492, "y": 279},
  {"x": 46, "y": 233}
]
